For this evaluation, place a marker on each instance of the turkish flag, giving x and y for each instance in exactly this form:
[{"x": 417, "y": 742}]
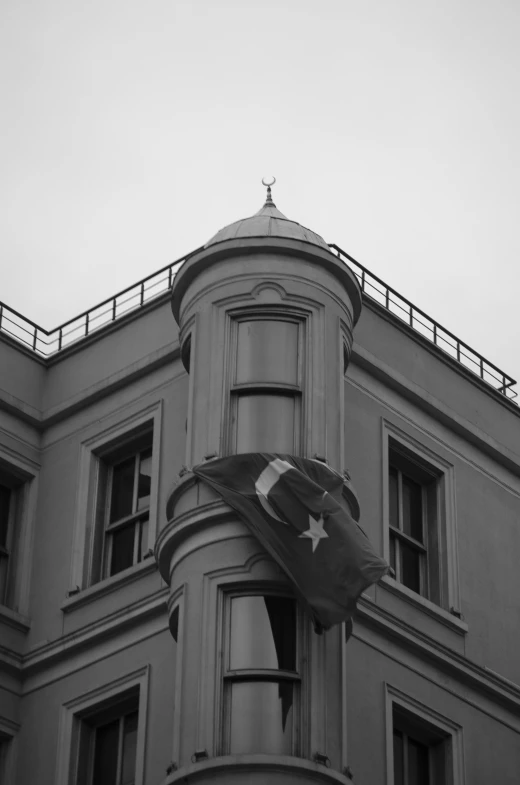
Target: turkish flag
[{"x": 305, "y": 515}]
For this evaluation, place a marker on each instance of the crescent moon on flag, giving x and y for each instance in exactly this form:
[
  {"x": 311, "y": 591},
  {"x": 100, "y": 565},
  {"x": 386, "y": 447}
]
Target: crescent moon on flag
[{"x": 269, "y": 477}]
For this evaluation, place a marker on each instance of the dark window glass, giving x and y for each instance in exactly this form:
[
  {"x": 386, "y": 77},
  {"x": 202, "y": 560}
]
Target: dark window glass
[
  {"x": 122, "y": 490},
  {"x": 129, "y": 749},
  {"x": 398, "y": 758},
  {"x": 261, "y": 717},
  {"x": 394, "y": 499},
  {"x": 145, "y": 480},
  {"x": 143, "y": 539},
  {"x": 418, "y": 766},
  {"x": 263, "y": 633},
  {"x": 122, "y": 549},
  {"x": 412, "y": 509},
  {"x": 105, "y": 754},
  {"x": 393, "y": 563},
  {"x": 410, "y": 567},
  {"x": 5, "y": 499}
]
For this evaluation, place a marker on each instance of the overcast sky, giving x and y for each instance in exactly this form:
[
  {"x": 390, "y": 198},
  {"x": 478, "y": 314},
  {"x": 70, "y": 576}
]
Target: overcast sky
[{"x": 132, "y": 131}]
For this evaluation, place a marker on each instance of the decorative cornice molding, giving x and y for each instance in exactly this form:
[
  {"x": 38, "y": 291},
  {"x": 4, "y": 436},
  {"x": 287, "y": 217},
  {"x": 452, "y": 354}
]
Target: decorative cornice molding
[
  {"x": 108, "y": 626},
  {"x": 498, "y": 688},
  {"x": 221, "y": 767}
]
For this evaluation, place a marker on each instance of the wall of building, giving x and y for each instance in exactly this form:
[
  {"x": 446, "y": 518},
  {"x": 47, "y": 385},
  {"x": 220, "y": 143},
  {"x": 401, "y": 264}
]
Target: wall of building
[{"x": 466, "y": 669}]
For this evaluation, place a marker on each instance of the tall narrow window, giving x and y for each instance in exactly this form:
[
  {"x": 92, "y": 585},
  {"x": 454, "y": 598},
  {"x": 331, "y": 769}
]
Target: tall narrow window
[
  {"x": 414, "y": 524},
  {"x": 107, "y": 744},
  {"x": 122, "y": 506},
  {"x": 266, "y": 386},
  {"x": 11, "y": 503},
  {"x": 6, "y": 526},
  {"x": 421, "y": 752},
  {"x": 262, "y": 675}
]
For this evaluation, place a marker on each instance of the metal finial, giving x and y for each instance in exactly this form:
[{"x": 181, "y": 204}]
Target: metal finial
[{"x": 269, "y": 202}]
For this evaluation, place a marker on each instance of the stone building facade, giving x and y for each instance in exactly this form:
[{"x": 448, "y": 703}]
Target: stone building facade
[{"x": 147, "y": 638}]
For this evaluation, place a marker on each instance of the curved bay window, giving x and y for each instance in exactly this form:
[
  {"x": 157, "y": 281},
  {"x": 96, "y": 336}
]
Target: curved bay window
[
  {"x": 266, "y": 385},
  {"x": 262, "y": 675}
]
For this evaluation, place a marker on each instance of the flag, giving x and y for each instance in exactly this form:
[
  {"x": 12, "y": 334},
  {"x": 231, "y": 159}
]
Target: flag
[{"x": 297, "y": 509}]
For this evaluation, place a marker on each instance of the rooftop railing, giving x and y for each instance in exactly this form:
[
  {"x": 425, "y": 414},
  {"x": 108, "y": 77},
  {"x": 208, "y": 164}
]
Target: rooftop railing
[
  {"x": 47, "y": 343},
  {"x": 374, "y": 288}
]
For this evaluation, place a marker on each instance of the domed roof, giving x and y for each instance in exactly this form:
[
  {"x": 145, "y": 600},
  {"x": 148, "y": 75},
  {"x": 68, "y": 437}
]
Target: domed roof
[{"x": 268, "y": 222}]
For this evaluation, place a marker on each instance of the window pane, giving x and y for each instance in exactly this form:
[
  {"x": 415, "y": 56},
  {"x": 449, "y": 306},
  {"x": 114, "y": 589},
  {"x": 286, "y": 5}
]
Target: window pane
[
  {"x": 267, "y": 352},
  {"x": 261, "y": 717},
  {"x": 122, "y": 549},
  {"x": 143, "y": 539},
  {"x": 398, "y": 758},
  {"x": 263, "y": 633},
  {"x": 145, "y": 480},
  {"x": 412, "y": 509},
  {"x": 129, "y": 749},
  {"x": 265, "y": 423},
  {"x": 5, "y": 498},
  {"x": 105, "y": 754},
  {"x": 122, "y": 490},
  {"x": 410, "y": 567},
  {"x": 418, "y": 768},
  {"x": 394, "y": 500},
  {"x": 393, "y": 548}
]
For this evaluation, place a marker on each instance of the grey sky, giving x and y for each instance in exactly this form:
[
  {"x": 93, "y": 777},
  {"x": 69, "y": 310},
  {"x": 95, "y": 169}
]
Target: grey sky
[{"x": 132, "y": 131}]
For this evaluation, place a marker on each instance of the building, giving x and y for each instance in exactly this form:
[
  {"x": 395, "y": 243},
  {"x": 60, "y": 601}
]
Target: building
[{"x": 147, "y": 638}]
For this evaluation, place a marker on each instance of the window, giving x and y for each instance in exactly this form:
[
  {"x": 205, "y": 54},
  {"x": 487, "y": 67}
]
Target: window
[
  {"x": 102, "y": 733},
  {"x": 5, "y": 742},
  {"x": 122, "y": 505},
  {"x": 266, "y": 385},
  {"x": 6, "y": 536},
  {"x": 11, "y": 503},
  {"x": 262, "y": 674},
  {"x": 421, "y": 752},
  {"x": 107, "y": 744},
  {"x": 414, "y": 522}
]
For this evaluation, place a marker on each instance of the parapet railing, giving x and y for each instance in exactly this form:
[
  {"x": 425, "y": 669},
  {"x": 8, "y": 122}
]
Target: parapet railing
[
  {"x": 49, "y": 342},
  {"x": 377, "y": 290}
]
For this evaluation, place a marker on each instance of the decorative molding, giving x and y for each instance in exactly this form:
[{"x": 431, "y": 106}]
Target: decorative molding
[
  {"x": 446, "y": 512},
  {"x": 109, "y": 585},
  {"x": 9, "y": 729},
  {"x": 425, "y": 606},
  {"x": 109, "y": 626},
  {"x": 16, "y": 620},
  {"x": 433, "y": 406},
  {"x": 117, "y": 428},
  {"x": 178, "y": 599},
  {"x": 499, "y": 689},
  {"x": 300, "y": 769},
  {"x": 443, "y": 725},
  {"x": 26, "y": 471},
  {"x": 72, "y": 710}
]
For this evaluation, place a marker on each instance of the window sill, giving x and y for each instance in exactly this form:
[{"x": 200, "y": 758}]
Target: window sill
[
  {"x": 108, "y": 585},
  {"x": 14, "y": 619},
  {"x": 424, "y": 605}
]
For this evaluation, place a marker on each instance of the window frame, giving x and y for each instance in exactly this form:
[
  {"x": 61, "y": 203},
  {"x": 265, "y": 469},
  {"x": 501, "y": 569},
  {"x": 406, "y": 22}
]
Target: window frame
[
  {"x": 135, "y": 518},
  {"x": 95, "y": 703},
  {"x": 83, "y": 583},
  {"x": 238, "y": 390},
  {"x": 85, "y": 735},
  {"x": 8, "y": 755},
  {"x": 441, "y": 734},
  {"x": 428, "y": 547},
  {"x": 20, "y": 474},
  {"x": 229, "y": 677},
  {"x": 444, "y": 599}
]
